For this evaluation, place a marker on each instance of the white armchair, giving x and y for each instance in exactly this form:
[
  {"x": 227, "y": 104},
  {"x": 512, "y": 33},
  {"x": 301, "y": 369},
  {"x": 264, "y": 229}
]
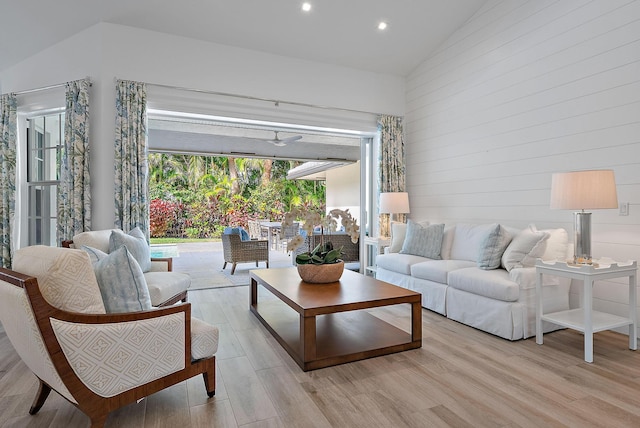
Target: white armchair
[
  {"x": 165, "y": 286},
  {"x": 53, "y": 314}
]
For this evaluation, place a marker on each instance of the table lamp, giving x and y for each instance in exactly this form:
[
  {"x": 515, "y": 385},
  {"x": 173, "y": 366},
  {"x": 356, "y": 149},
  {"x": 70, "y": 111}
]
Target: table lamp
[
  {"x": 581, "y": 190},
  {"x": 394, "y": 203}
]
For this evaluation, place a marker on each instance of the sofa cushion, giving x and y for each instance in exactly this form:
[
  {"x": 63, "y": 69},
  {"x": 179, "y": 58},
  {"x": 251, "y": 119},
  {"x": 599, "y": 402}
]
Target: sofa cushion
[
  {"x": 423, "y": 241},
  {"x": 525, "y": 248},
  {"x": 136, "y": 243},
  {"x": 494, "y": 284},
  {"x": 493, "y": 247},
  {"x": 164, "y": 285},
  {"x": 122, "y": 283},
  {"x": 98, "y": 239},
  {"x": 438, "y": 270},
  {"x": 65, "y": 277},
  {"x": 396, "y": 262},
  {"x": 467, "y": 240}
]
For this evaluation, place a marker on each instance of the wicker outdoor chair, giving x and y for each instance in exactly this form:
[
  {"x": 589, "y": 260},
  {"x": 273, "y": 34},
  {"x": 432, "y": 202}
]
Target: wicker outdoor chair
[{"x": 238, "y": 251}]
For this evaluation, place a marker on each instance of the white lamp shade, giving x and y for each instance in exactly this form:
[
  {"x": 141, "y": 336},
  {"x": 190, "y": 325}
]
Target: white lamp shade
[
  {"x": 582, "y": 190},
  {"x": 394, "y": 203}
]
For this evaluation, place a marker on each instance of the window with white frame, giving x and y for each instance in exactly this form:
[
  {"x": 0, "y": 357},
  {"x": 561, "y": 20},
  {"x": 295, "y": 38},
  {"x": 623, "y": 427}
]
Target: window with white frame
[{"x": 44, "y": 145}]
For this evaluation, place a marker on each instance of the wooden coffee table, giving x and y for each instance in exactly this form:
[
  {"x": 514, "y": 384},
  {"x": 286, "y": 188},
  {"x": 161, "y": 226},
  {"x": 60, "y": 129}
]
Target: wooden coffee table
[{"x": 328, "y": 325}]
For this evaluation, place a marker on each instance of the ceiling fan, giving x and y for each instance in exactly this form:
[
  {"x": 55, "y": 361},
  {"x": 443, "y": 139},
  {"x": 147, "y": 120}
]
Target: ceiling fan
[{"x": 284, "y": 141}]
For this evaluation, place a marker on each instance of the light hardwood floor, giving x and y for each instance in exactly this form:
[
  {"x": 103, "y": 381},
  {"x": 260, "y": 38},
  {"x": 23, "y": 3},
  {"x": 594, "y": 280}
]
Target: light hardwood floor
[{"x": 461, "y": 377}]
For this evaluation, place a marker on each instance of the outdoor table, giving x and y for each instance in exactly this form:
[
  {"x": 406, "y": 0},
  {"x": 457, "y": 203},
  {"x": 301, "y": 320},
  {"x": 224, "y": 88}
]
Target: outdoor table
[{"x": 272, "y": 226}]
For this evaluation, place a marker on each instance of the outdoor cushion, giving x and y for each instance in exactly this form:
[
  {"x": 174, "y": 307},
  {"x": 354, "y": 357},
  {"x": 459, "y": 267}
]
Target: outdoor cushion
[
  {"x": 164, "y": 285},
  {"x": 438, "y": 270},
  {"x": 494, "y": 284},
  {"x": 397, "y": 262},
  {"x": 244, "y": 235}
]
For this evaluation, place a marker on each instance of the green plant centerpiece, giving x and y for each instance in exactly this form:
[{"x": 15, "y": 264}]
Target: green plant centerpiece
[{"x": 322, "y": 263}]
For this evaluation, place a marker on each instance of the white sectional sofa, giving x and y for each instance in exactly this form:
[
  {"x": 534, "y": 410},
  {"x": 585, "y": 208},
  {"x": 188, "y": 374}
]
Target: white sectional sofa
[{"x": 479, "y": 275}]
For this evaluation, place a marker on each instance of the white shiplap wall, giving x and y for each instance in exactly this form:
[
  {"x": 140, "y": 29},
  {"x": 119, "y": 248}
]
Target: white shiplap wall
[{"x": 522, "y": 90}]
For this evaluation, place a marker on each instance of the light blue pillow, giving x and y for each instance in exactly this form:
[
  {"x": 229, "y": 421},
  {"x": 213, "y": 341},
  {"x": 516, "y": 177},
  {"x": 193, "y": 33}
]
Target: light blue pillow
[
  {"x": 136, "y": 243},
  {"x": 121, "y": 281},
  {"x": 425, "y": 241},
  {"x": 493, "y": 247}
]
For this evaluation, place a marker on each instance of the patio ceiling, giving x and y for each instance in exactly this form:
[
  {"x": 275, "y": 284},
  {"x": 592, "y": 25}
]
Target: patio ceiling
[{"x": 208, "y": 137}]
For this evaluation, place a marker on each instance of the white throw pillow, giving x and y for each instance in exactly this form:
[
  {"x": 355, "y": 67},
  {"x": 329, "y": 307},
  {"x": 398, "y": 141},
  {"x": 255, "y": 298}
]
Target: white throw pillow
[
  {"x": 398, "y": 231},
  {"x": 557, "y": 245},
  {"x": 525, "y": 248},
  {"x": 468, "y": 239},
  {"x": 447, "y": 242},
  {"x": 423, "y": 241}
]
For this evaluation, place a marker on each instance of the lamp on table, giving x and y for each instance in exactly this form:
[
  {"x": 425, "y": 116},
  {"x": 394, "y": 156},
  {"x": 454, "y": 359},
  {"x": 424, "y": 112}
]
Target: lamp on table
[
  {"x": 580, "y": 190},
  {"x": 394, "y": 203}
]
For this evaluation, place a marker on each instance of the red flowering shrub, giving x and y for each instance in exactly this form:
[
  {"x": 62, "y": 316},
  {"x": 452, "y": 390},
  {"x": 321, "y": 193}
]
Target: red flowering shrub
[{"x": 163, "y": 215}]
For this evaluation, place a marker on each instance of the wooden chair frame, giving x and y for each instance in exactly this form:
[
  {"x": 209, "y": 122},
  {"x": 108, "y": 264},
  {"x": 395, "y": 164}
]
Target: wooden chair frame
[{"x": 93, "y": 405}]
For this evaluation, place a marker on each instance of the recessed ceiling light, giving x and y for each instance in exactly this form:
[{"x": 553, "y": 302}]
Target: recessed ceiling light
[
  {"x": 306, "y": 6},
  {"x": 382, "y": 25}
]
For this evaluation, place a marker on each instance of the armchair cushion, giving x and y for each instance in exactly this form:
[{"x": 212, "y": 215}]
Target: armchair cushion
[
  {"x": 65, "y": 277},
  {"x": 165, "y": 285},
  {"x": 121, "y": 281},
  {"x": 136, "y": 243}
]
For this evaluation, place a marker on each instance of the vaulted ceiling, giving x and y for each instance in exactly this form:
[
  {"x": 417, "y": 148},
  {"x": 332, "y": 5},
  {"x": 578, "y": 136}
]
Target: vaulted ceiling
[{"x": 340, "y": 32}]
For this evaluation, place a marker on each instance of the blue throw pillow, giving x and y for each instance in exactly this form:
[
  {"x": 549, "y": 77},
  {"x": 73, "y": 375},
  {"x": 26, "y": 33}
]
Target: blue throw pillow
[
  {"x": 244, "y": 235},
  {"x": 425, "y": 241},
  {"x": 120, "y": 279}
]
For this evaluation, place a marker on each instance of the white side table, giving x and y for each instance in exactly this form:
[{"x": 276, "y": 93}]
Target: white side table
[
  {"x": 373, "y": 247},
  {"x": 585, "y": 319}
]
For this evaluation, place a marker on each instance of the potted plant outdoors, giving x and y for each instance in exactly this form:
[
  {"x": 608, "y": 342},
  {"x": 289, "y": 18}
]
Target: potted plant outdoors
[{"x": 321, "y": 264}]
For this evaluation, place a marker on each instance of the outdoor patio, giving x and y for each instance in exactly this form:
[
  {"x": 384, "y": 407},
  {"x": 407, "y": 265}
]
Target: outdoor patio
[{"x": 203, "y": 261}]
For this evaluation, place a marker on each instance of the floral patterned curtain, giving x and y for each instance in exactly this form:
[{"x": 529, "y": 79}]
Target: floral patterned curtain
[
  {"x": 391, "y": 162},
  {"x": 8, "y": 133},
  {"x": 131, "y": 157},
  {"x": 74, "y": 190}
]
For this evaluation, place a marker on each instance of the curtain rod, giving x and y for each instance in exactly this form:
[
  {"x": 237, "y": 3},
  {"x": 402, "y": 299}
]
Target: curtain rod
[
  {"x": 46, "y": 88},
  {"x": 276, "y": 102}
]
